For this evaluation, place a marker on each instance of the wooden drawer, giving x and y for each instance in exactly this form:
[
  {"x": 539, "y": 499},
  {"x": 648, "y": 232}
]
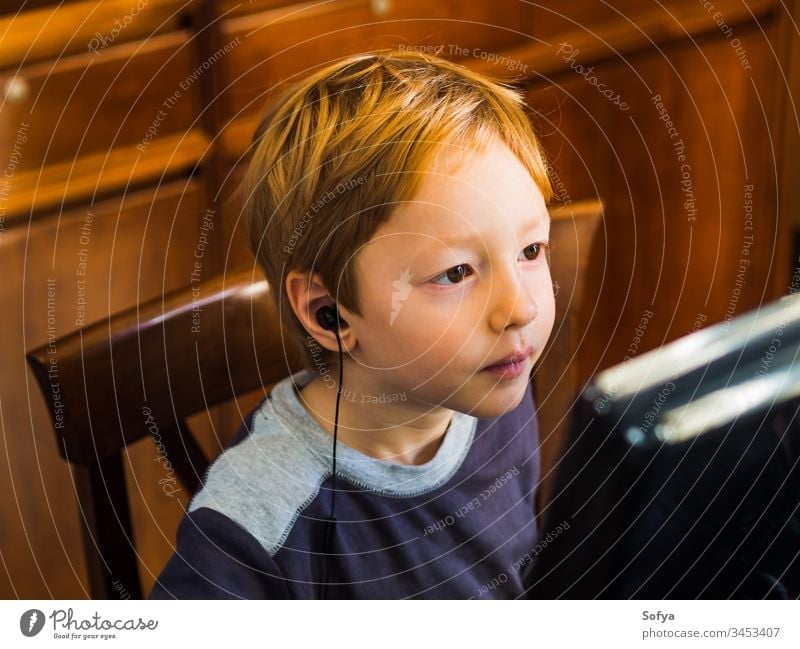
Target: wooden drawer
[
  {"x": 275, "y": 45},
  {"x": 52, "y": 31},
  {"x": 131, "y": 94},
  {"x": 233, "y": 8}
]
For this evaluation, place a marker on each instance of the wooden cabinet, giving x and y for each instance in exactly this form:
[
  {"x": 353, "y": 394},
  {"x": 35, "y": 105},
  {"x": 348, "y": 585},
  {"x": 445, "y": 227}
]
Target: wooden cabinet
[
  {"x": 120, "y": 111},
  {"x": 124, "y": 128}
]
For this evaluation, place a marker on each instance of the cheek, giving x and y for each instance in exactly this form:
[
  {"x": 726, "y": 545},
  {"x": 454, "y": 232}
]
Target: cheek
[
  {"x": 542, "y": 292},
  {"x": 428, "y": 329},
  {"x": 389, "y": 332},
  {"x": 423, "y": 328}
]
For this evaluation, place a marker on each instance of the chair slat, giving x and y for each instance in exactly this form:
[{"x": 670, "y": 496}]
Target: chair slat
[{"x": 108, "y": 541}]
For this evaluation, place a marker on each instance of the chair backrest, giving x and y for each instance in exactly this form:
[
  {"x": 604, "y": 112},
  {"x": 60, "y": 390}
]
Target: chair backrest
[
  {"x": 573, "y": 230},
  {"x": 141, "y": 373},
  {"x": 150, "y": 367}
]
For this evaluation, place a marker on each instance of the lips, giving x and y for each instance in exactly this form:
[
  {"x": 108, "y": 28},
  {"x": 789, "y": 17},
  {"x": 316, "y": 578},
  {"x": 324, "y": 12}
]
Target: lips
[{"x": 514, "y": 357}]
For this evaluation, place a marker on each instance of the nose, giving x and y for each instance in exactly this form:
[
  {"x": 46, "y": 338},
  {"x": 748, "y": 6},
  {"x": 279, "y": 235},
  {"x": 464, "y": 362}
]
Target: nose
[{"x": 510, "y": 303}]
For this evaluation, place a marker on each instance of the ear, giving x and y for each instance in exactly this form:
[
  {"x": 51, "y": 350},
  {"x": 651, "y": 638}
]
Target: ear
[{"x": 306, "y": 295}]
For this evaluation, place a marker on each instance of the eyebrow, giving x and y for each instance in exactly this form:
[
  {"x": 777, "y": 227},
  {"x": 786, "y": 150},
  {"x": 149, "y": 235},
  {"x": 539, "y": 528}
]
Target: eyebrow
[{"x": 458, "y": 241}]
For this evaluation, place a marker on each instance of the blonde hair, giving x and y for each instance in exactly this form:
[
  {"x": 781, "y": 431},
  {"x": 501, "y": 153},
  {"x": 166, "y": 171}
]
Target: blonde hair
[{"x": 332, "y": 155}]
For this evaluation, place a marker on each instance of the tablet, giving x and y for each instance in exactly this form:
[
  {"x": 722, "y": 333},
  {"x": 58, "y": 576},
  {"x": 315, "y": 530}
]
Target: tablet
[{"x": 680, "y": 477}]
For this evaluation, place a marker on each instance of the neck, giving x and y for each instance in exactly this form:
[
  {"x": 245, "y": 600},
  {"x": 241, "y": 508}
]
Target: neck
[{"x": 382, "y": 424}]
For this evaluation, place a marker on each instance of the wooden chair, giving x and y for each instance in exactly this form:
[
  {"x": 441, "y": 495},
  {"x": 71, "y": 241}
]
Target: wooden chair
[
  {"x": 144, "y": 371},
  {"x": 573, "y": 230}
]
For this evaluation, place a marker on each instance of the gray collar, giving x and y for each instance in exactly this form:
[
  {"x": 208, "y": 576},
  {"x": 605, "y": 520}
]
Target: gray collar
[{"x": 367, "y": 472}]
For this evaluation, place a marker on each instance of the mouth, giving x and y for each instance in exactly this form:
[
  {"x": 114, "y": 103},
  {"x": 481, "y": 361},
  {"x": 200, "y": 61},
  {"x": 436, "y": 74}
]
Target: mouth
[{"x": 511, "y": 365}]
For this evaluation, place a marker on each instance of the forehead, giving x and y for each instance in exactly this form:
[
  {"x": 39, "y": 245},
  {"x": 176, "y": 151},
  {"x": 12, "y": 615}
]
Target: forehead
[{"x": 466, "y": 194}]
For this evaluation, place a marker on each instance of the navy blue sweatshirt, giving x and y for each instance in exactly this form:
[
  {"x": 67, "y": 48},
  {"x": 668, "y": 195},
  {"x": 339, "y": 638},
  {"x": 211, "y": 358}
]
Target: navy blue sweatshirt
[{"x": 460, "y": 526}]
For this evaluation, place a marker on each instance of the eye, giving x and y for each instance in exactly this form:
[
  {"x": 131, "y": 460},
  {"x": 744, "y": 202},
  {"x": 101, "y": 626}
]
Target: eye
[
  {"x": 454, "y": 275},
  {"x": 532, "y": 251}
]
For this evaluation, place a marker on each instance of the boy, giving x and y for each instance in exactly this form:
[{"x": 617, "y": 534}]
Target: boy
[{"x": 407, "y": 195}]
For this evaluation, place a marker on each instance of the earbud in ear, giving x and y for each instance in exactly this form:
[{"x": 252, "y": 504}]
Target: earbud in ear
[{"x": 329, "y": 318}]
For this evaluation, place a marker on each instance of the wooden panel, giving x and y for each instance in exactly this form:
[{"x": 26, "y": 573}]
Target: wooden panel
[
  {"x": 232, "y": 8},
  {"x": 129, "y": 250},
  {"x": 787, "y": 118},
  {"x": 594, "y": 30},
  {"x": 82, "y": 104},
  {"x": 37, "y": 35},
  {"x": 82, "y": 127},
  {"x": 676, "y": 219},
  {"x": 276, "y": 45},
  {"x": 600, "y": 30},
  {"x": 97, "y": 175},
  {"x": 237, "y": 254}
]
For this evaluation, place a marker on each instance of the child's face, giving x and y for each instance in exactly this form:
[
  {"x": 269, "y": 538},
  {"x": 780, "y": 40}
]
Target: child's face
[{"x": 438, "y": 311}]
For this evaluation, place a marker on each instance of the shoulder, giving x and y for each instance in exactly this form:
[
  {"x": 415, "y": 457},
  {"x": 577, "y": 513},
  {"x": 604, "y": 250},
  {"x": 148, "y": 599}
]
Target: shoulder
[
  {"x": 217, "y": 559},
  {"x": 264, "y": 479}
]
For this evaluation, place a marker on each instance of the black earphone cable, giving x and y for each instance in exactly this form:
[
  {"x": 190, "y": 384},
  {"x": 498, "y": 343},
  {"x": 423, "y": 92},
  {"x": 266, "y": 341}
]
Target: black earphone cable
[{"x": 330, "y": 524}]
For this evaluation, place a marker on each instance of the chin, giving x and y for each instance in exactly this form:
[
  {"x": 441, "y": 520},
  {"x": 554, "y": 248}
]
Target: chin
[{"x": 501, "y": 399}]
